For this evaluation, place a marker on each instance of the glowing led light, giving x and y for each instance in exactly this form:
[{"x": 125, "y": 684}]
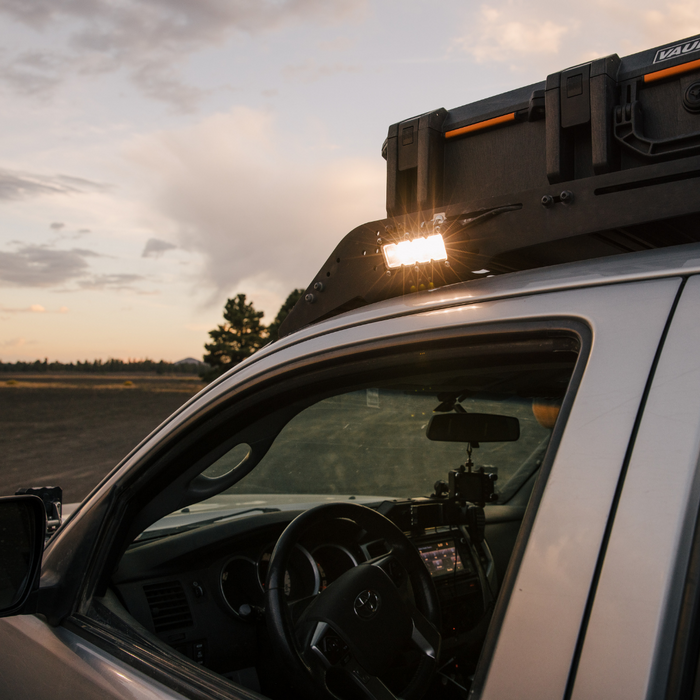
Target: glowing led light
[{"x": 418, "y": 250}]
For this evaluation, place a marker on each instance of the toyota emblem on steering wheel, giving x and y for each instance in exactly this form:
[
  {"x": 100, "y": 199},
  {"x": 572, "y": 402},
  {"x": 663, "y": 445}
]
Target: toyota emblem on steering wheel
[{"x": 367, "y": 604}]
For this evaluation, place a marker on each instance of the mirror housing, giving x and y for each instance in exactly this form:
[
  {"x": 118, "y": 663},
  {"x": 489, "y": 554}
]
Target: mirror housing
[
  {"x": 22, "y": 530},
  {"x": 473, "y": 428}
]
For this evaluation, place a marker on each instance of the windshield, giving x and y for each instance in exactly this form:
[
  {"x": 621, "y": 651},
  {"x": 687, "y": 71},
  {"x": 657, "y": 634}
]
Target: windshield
[{"x": 373, "y": 442}]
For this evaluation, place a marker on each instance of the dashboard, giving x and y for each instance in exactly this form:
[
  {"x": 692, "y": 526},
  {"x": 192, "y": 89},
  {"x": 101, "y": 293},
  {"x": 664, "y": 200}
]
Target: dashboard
[{"x": 202, "y": 591}]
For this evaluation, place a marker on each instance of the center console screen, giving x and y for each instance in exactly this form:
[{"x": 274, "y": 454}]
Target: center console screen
[{"x": 441, "y": 558}]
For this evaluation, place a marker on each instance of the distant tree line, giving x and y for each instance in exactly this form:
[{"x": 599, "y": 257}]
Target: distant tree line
[
  {"x": 103, "y": 367},
  {"x": 238, "y": 337}
]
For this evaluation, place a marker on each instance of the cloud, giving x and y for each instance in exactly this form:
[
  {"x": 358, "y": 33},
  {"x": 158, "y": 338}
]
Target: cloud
[
  {"x": 155, "y": 248},
  {"x": 132, "y": 23},
  {"x": 529, "y": 37},
  {"x": 149, "y": 40},
  {"x": 679, "y": 19},
  {"x": 650, "y": 23},
  {"x": 46, "y": 266},
  {"x": 42, "y": 266},
  {"x": 502, "y": 37},
  {"x": 56, "y": 226},
  {"x": 33, "y": 72},
  {"x": 16, "y": 343},
  {"x": 22, "y": 185},
  {"x": 33, "y": 309},
  {"x": 115, "y": 282},
  {"x": 253, "y": 202}
]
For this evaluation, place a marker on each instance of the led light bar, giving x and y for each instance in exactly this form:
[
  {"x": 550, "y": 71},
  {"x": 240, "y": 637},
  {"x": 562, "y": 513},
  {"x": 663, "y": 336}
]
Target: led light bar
[{"x": 412, "y": 252}]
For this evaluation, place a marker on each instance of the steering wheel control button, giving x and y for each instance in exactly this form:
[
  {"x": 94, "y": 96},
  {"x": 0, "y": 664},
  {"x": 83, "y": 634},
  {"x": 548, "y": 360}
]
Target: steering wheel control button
[
  {"x": 397, "y": 573},
  {"x": 334, "y": 649},
  {"x": 367, "y": 604},
  {"x": 361, "y": 676}
]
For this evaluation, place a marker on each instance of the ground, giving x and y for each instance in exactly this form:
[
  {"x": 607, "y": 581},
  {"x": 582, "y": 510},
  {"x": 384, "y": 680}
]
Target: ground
[{"x": 71, "y": 430}]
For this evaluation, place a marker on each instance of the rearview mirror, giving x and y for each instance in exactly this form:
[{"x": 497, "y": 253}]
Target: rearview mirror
[
  {"x": 473, "y": 427},
  {"x": 22, "y": 528}
]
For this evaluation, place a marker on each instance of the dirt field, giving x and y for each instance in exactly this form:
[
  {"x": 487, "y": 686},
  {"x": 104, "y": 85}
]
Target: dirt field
[{"x": 70, "y": 431}]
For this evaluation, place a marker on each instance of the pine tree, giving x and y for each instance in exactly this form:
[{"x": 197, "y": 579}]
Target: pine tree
[
  {"x": 292, "y": 299},
  {"x": 239, "y": 337}
]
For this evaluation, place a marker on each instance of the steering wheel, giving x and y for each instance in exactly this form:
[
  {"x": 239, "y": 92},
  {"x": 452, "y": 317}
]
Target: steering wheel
[{"x": 353, "y": 630}]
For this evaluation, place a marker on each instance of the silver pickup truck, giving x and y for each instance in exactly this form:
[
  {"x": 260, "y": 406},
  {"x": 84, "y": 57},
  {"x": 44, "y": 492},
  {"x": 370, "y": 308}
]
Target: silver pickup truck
[{"x": 468, "y": 469}]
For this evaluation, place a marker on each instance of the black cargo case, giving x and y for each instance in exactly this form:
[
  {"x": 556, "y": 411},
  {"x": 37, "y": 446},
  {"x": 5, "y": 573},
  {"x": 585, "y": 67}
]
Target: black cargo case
[
  {"x": 599, "y": 159},
  {"x": 609, "y": 115}
]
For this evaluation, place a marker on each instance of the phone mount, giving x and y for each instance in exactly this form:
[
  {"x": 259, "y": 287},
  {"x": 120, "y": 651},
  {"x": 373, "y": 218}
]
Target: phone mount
[{"x": 477, "y": 487}]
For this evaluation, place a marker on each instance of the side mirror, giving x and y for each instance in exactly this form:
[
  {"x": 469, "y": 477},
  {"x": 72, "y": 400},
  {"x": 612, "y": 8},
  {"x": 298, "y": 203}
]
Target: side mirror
[
  {"x": 473, "y": 428},
  {"x": 22, "y": 529}
]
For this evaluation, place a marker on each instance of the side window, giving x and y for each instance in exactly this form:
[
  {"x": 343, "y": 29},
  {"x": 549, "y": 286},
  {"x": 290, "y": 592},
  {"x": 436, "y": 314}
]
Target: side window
[{"x": 446, "y": 444}]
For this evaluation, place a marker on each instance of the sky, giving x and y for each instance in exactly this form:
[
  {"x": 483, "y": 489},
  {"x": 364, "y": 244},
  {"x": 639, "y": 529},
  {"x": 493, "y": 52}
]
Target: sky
[{"x": 160, "y": 156}]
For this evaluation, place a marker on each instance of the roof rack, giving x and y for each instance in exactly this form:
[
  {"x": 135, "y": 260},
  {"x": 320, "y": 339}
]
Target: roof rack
[{"x": 601, "y": 159}]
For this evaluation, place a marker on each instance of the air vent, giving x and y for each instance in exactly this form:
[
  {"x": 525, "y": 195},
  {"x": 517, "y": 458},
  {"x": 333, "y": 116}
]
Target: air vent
[{"x": 168, "y": 604}]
